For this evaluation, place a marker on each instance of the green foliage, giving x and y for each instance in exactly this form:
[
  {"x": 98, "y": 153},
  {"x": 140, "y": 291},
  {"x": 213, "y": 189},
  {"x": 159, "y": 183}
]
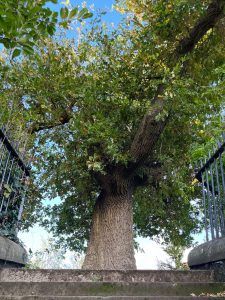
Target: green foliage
[
  {"x": 91, "y": 98},
  {"x": 8, "y": 224},
  {"x": 12, "y": 194},
  {"x": 176, "y": 255},
  {"x": 23, "y": 23}
]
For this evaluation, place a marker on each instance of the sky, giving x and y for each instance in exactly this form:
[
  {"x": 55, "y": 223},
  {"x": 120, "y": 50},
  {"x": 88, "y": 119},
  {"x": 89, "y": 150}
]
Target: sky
[
  {"x": 152, "y": 252},
  {"x": 111, "y": 16},
  {"x": 102, "y": 5},
  {"x": 149, "y": 258}
]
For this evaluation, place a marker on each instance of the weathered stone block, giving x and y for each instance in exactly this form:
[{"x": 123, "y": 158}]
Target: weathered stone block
[
  {"x": 209, "y": 256},
  {"x": 11, "y": 254}
]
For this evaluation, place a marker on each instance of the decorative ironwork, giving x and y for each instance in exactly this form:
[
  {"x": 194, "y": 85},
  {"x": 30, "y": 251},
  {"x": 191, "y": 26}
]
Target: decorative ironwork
[
  {"x": 14, "y": 173},
  {"x": 212, "y": 178}
]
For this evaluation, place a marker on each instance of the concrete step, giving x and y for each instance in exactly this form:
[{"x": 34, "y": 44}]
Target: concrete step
[
  {"x": 107, "y": 298},
  {"x": 114, "y": 289},
  {"x": 104, "y": 276}
]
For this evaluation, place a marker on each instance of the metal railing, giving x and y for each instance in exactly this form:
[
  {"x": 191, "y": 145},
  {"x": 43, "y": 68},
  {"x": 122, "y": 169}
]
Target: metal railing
[
  {"x": 212, "y": 178},
  {"x": 14, "y": 174}
]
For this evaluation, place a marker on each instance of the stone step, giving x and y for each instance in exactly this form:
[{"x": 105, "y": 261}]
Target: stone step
[
  {"x": 103, "y": 276},
  {"x": 107, "y": 298},
  {"x": 109, "y": 288}
]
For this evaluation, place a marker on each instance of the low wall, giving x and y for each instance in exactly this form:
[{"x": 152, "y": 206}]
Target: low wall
[
  {"x": 209, "y": 256},
  {"x": 11, "y": 254}
]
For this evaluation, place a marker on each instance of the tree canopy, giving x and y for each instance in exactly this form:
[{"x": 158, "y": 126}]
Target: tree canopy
[
  {"x": 23, "y": 23},
  {"x": 143, "y": 98}
]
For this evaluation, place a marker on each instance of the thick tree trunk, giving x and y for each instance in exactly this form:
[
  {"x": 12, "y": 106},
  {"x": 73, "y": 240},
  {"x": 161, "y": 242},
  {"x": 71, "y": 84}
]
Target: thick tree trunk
[{"x": 111, "y": 241}]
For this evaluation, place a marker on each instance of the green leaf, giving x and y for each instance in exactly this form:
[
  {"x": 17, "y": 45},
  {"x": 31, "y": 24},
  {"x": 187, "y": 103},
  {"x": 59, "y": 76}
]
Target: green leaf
[
  {"x": 54, "y": 1},
  {"x": 64, "y": 24},
  {"x": 64, "y": 12},
  {"x": 28, "y": 49},
  {"x": 54, "y": 17},
  {"x": 48, "y": 12},
  {"x": 7, "y": 187},
  {"x": 82, "y": 12},
  {"x": 7, "y": 194},
  {"x": 51, "y": 29},
  {"x": 16, "y": 53},
  {"x": 87, "y": 15},
  {"x": 73, "y": 13}
]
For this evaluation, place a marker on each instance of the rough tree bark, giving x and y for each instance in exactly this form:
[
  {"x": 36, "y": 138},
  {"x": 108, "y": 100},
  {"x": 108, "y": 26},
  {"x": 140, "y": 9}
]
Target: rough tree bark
[{"x": 111, "y": 244}]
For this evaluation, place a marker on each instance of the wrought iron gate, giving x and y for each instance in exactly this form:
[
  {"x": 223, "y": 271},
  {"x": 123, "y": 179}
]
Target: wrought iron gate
[
  {"x": 212, "y": 178},
  {"x": 14, "y": 174}
]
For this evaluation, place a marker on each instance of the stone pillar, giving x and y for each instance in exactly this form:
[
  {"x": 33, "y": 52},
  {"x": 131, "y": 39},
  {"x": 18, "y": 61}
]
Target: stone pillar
[
  {"x": 12, "y": 255},
  {"x": 209, "y": 256}
]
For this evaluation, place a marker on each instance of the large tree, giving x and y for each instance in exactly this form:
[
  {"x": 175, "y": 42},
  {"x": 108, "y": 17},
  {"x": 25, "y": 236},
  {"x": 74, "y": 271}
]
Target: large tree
[{"x": 117, "y": 119}]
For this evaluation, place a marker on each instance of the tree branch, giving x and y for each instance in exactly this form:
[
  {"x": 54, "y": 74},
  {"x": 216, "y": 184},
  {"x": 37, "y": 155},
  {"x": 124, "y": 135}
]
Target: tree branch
[
  {"x": 37, "y": 127},
  {"x": 149, "y": 131},
  {"x": 64, "y": 118},
  {"x": 150, "y": 128},
  {"x": 214, "y": 13}
]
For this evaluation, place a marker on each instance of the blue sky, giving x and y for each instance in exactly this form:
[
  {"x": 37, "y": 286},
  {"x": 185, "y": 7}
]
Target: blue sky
[
  {"x": 95, "y": 6},
  {"x": 105, "y": 5}
]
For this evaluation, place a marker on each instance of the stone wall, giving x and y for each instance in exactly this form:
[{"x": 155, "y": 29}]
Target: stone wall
[{"x": 218, "y": 267}]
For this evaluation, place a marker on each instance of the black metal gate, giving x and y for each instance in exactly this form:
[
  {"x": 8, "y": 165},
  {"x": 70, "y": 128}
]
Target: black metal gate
[
  {"x": 212, "y": 178},
  {"x": 14, "y": 174}
]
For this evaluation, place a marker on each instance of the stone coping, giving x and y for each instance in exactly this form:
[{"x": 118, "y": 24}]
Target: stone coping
[
  {"x": 38, "y": 275},
  {"x": 208, "y": 252},
  {"x": 12, "y": 252}
]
